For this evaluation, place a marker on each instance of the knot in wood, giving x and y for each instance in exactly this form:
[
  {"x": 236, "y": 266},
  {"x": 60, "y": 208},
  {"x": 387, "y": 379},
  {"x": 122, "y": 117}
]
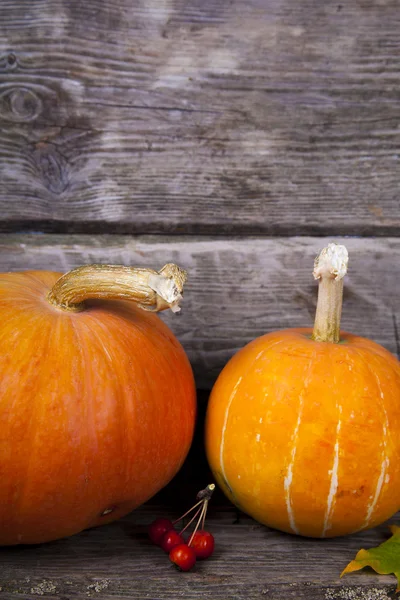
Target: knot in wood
[
  {"x": 11, "y": 59},
  {"x": 20, "y": 104},
  {"x": 53, "y": 168}
]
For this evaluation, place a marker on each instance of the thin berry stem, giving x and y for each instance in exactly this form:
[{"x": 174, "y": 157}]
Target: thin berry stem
[
  {"x": 187, "y": 512},
  {"x": 192, "y": 519},
  {"x": 201, "y": 519},
  {"x": 204, "y": 514}
]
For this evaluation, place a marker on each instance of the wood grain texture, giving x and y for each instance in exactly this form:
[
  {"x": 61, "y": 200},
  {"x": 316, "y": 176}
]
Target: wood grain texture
[
  {"x": 273, "y": 117},
  {"x": 238, "y": 288},
  {"x": 250, "y": 562}
]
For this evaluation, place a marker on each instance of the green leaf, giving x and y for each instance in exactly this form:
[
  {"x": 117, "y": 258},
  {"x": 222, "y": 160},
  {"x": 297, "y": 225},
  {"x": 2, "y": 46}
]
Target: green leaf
[{"x": 384, "y": 559}]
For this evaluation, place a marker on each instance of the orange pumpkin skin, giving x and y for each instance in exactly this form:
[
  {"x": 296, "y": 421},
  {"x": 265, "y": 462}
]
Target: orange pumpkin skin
[
  {"x": 304, "y": 435},
  {"x": 97, "y": 411}
]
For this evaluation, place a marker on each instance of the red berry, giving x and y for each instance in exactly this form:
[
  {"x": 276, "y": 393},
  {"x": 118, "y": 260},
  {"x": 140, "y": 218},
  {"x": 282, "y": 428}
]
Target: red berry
[
  {"x": 157, "y": 529},
  {"x": 203, "y": 544},
  {"x": 170, "y": 539},
  {"x": 183, "y": 556}
]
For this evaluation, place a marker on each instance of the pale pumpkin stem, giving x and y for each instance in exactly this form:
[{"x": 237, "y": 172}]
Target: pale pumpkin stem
[
  {"x": 151, "y": 290},
  {"x": 330, "y": 267}
]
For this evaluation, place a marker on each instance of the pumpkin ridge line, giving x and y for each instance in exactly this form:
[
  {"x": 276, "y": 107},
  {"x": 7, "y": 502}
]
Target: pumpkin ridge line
[
  {"x": 334, "y": 476},
  {"x": 121, "y": 393},
  {"x": 287, "y": 482},
  {"x": 90, "y": 412},
  {"x": 385, "y": 459},
  {"x": 226, "y": 416},
  {"x": 224, "y": 426}
]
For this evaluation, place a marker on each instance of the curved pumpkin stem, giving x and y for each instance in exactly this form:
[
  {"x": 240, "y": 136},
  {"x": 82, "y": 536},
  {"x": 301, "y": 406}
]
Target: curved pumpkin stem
[
  {"x": 151, "y": 290},
  {"x": 330, "y": 267}
]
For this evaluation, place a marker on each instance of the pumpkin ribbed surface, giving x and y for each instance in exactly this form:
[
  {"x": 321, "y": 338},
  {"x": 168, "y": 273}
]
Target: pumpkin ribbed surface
[
  {"x": 303, "y": 435},
  {"x": 97, "y": 410}
]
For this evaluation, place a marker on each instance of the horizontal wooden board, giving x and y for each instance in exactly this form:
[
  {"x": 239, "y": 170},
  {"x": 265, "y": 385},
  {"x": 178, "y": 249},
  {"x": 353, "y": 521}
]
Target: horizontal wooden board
[
  {"x": 250, "y": 562},
  {"x": 277, "y": 117},
  {"x": 238, "y": 288}
]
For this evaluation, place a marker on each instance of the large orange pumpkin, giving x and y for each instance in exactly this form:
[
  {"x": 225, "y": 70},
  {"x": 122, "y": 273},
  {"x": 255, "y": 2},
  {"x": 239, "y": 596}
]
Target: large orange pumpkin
[
  {"x": 97, "y": 397},
  {"x": 303, "y": 426}
]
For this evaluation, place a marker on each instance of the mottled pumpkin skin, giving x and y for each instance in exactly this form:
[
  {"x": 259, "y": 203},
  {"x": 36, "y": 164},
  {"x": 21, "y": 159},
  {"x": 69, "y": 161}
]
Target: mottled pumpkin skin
[
  {"x": 304, "y": 436},
  {"x": 97, "y": 411}
]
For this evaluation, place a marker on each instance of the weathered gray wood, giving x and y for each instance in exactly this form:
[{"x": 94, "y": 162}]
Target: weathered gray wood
[
  {"x": 250, "y": 562},
  {"x": 201, "y": 116},
  {"x": 238, "y": 289}
]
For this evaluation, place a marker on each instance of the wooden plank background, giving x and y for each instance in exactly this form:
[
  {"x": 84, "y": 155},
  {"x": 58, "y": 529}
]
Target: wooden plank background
[
  {"x": 237, "y": 288},
  {"x": 277, "y": 117}
]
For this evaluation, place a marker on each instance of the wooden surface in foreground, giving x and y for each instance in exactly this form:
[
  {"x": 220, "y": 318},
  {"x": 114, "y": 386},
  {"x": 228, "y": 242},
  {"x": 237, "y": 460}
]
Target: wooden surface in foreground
[{"x": 250, "y": 562}]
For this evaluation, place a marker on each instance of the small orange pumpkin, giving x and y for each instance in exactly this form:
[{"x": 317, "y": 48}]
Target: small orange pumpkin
[
  {"x": 97, "y": 397},
  {"x": 302, "y": 427}
]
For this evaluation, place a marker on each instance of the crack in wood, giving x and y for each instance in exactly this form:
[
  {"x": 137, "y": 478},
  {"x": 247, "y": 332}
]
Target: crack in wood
[{"x": 164, "y": 108}]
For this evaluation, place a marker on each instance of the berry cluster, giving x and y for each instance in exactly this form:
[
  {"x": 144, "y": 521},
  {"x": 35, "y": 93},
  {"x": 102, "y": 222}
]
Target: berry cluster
[{"x": 200, "y": 544}]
